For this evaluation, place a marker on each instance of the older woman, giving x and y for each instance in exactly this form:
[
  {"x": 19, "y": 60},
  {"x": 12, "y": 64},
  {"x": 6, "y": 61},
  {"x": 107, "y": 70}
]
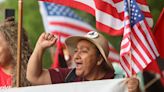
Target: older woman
[
  {"x": 89, "y": 53},
  {"x": 8, "y": 52}
]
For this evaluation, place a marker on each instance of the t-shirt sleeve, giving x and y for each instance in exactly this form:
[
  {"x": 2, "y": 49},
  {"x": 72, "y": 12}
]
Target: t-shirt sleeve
[{"x": 58, "y": 75}]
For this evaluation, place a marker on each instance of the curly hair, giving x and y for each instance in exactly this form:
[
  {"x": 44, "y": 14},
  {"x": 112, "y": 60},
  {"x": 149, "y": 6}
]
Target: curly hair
[{"x": 9, "y": 30}]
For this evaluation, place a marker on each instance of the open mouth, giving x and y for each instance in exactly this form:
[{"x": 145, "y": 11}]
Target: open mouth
[{"x": 78, "y": 65}]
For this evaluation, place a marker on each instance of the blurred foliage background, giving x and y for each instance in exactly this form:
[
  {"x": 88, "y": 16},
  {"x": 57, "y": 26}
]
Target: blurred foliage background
[{"x": 33, "y": 24}]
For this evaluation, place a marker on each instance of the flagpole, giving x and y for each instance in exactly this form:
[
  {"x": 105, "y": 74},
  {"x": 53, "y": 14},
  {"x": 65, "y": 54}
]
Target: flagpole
[
  {"x": 157, "y": 77},
  {"x": 131, "y": 64},
  {"x": 20, "y": 17}
]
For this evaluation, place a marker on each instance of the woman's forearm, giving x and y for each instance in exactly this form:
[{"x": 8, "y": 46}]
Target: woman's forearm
[{"x": 34, "y": 67}]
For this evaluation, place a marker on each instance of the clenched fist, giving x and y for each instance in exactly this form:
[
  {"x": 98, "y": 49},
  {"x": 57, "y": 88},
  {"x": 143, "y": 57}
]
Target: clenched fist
[
  {"x": 133, "y": 85},
  {"x": 46, "y": 40}
]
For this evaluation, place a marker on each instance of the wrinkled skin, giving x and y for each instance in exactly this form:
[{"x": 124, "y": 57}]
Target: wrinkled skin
[{"x": 86, "y": 60}]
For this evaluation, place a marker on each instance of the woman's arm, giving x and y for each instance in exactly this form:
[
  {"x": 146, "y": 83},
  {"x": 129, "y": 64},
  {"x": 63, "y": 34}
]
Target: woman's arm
[{"x": 35, "y": 73}]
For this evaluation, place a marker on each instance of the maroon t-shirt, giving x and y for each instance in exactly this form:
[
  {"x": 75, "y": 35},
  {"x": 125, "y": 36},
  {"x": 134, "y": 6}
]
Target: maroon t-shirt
[{"x": 58, "y": 75}]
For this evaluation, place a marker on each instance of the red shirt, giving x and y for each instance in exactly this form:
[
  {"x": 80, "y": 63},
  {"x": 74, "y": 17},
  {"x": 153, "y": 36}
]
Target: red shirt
[
  {"x": 58, "y": 75},
  {"x": 5, "y": 79}
]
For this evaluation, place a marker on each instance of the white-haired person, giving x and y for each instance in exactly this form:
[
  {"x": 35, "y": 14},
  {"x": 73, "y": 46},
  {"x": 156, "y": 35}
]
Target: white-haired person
[{"x": 89, "y": 53}]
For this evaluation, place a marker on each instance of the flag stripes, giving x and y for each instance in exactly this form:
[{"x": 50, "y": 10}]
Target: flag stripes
[
  {"x": 138, "y": 48},
  {"x": 58, "y": 20},
  {"x": 109, "y": 14},
  {"x": 113, "y": 54}
]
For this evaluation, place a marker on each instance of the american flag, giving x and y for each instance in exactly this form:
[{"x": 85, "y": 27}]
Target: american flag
[
  {"x": 138, "y": 48},
  {"x": 110, "y": 19},
  {"x": 113, "y": 54},
  {"x": 63, "y": 20},
  {"x": 109, "y": 14}
]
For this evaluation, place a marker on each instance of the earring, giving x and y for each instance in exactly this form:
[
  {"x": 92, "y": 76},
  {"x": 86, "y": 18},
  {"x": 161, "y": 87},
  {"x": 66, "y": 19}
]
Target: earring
[{"x": 99, "y": 62}]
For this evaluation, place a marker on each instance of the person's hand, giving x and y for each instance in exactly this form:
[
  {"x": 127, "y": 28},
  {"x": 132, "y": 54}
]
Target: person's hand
[
  {"x": 133, "y": 85},
  {"x": 46, "y": 40}
]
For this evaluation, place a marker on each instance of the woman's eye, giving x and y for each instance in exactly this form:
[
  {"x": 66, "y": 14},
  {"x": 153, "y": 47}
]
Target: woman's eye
[
  {"x": 84, "y": 51},
  {"x": 75, "y": 51}
]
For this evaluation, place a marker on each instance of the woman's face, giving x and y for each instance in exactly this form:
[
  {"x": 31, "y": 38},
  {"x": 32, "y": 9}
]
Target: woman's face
[
  {"x": 5, "y": 54},
  {"x": 85, "y": 58}
]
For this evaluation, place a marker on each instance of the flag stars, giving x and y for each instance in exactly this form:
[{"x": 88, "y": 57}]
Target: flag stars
[
  {"x": 51, "y": 13},
  {"x": 124, "y": 7},
  {"x": 67, "y": 11},
  {"x": 59, "y": 10},
  {"x": 52, "y": 5},
  {"x": 125, "y": 3},
  {"x": 49, "y": 7},
  {"x": 132, "y": 13},
  {"x": 64, "y": 13},
  {"x": 135, "y": 14},
  {"x": 139, "y": 15},
  {"x": 58, "y": 13},
  {"x": 55, "y": 8},
  {"x": 132, "y": 9},
  {"x": 70, "y": 14}
]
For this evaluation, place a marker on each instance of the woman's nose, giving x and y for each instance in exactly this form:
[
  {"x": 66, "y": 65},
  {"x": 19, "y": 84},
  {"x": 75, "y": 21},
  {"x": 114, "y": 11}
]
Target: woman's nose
[{"x": 77, "y": 55}]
